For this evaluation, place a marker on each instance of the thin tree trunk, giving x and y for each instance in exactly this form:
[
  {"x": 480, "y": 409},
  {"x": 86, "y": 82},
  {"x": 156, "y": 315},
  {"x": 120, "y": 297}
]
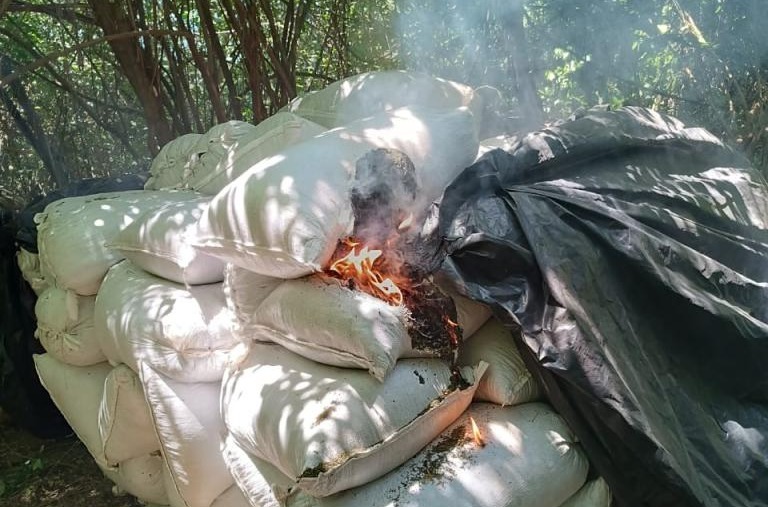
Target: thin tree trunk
[
  {"x": 141, "y": 74},
  {"x": 214, "y": 44},
  {"x": 29, "y": 125},
  {"x": 517, "y": 49}
]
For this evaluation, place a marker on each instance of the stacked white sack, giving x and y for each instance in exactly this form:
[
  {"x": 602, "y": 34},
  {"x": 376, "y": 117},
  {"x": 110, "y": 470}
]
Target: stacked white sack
[
  {"x": 65, "y": 327},
  {"x": 595, "y": 493},
  {"x": 72, "y": 234},
  {"x": 329, "y": 429},
  {"x": 188, "y": 422},
  {"x": 160, "y": 242},
  {"x": 284, "y": 216},
  {"x": 182, "y": 332},
  {"x": 228, "y": 156},
  {"x": 527, "y": 457},
  {"x": 175, "y": 158},
  {"x": 78, "y": 392},
  {"x": 207, "y": 162},
  {"x": 125, "y": 424},
  {"x": 507, "y": 381},
  {"x": 29, "y": 265},
  {"x": 372, "y": 93}
]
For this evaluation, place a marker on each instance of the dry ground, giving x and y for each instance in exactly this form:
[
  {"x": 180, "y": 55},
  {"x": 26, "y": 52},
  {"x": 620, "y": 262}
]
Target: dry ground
[{"x": 51, "y": 473}]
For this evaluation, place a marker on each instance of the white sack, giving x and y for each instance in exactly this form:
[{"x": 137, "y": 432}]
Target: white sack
[
  {"x": 184, "y": 333},
  {"x": 188, "y": 422},
  {"x": 244, "y": 291},
  {"x": 284, "y": 216},
  {"x": 260, "y": 483},
  {"x": 125, "y": 425},
  {"x": 160, "y": 242},
  {"x": 232, "y": 497},
  {"x": 72, "y": 234},
  {"x": 141, "y": 477},
  {"x": 29, "y": 265},
  {"x": 530, "y": 459},
  {"x": 174, "y": 160},
  {"x": 507, "y": 381},
  {"x": 174, "y": 498},
  {"x": 223, "y": 162},
  {"x": 322, "y": 320},
  {"x": 593, "y": 494},
  {"x": 77, "y": 392},
  {"x": 372, "y": 93},
  {"x": 470, "y": 314},
  {"x": 331, "y": 429},
  {"x": 65, "y": 327},
  {"x": 217, "y": 141}
]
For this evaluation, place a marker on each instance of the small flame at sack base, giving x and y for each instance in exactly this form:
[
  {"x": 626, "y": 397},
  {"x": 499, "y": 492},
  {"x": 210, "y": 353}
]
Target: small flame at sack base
[
  {"x": 476, "y": 435},
  {"x": 362, "y": 267},
  {"x": 381, "y": 269}
]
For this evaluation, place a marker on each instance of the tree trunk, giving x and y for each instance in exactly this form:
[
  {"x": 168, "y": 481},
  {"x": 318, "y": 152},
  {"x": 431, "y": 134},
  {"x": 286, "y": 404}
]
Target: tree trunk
[
  {"x": 520, "y": 68},
  {"x": 139, "y": 67},
  {"x": 29, "y": 125}
]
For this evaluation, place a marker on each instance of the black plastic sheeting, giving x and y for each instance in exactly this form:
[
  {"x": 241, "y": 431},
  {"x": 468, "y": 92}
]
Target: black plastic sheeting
[
  {"x": 27, "y": 233},
  {"x": 22, "y": 396},
  {"x": 632, "y": 253}
]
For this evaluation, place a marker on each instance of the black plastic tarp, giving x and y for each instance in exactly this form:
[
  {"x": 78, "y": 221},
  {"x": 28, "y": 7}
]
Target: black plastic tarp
[
  {"x": 632, "y": 254},
  {"x": 22, "y": 396}
]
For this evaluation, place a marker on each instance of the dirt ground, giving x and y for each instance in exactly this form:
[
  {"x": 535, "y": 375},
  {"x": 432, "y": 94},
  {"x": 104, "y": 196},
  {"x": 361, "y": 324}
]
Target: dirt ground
[{"x": 51, "y": 473}]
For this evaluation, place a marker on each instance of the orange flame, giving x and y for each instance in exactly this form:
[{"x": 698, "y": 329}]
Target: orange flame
[
  {"x": 476, "y": 435},
  {"x": 362, "y": 268}
]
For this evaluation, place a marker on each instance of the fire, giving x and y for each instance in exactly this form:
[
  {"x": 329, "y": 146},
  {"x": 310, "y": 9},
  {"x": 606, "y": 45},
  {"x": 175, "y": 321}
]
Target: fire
[
  {"x": 364, "y": 267},
  {"x": 476, "y": 435}
]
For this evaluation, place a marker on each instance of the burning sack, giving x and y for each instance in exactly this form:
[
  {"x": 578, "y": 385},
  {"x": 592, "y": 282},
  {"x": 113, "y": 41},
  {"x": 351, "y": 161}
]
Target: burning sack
[
  {"x": 160, "y": 242},
  {"x": 490, "y": 457},
  {"x": 347, "y": 428},
  {"x": 284, "y": 216},
  {"x": 324, "y": 320},
  {"x": 184, "y": 333}
]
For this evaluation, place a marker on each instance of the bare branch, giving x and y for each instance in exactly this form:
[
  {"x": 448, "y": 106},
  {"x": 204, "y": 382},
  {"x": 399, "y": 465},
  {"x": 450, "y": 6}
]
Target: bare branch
[{"x": 56, "y": 54}]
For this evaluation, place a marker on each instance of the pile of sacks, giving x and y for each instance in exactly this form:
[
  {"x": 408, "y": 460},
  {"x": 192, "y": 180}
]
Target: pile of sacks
[{"x": 195, "y": 350}]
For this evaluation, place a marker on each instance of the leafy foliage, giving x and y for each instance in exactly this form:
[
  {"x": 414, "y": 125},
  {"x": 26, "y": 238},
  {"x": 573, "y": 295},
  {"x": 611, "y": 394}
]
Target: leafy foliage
[{"x": 102, "y": 85}]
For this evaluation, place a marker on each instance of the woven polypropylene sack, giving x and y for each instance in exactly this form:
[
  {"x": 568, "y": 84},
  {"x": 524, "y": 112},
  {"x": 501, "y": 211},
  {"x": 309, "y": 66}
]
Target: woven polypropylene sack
[
  {"x": 160, "y": 242},
  {"x": 65, "y": 327},
  {"x": 182, "y": 332},
  {"x": 348, "y": 428},
  {"x": 284, "y": 216},
  {"x": 526, "y": 457}
]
